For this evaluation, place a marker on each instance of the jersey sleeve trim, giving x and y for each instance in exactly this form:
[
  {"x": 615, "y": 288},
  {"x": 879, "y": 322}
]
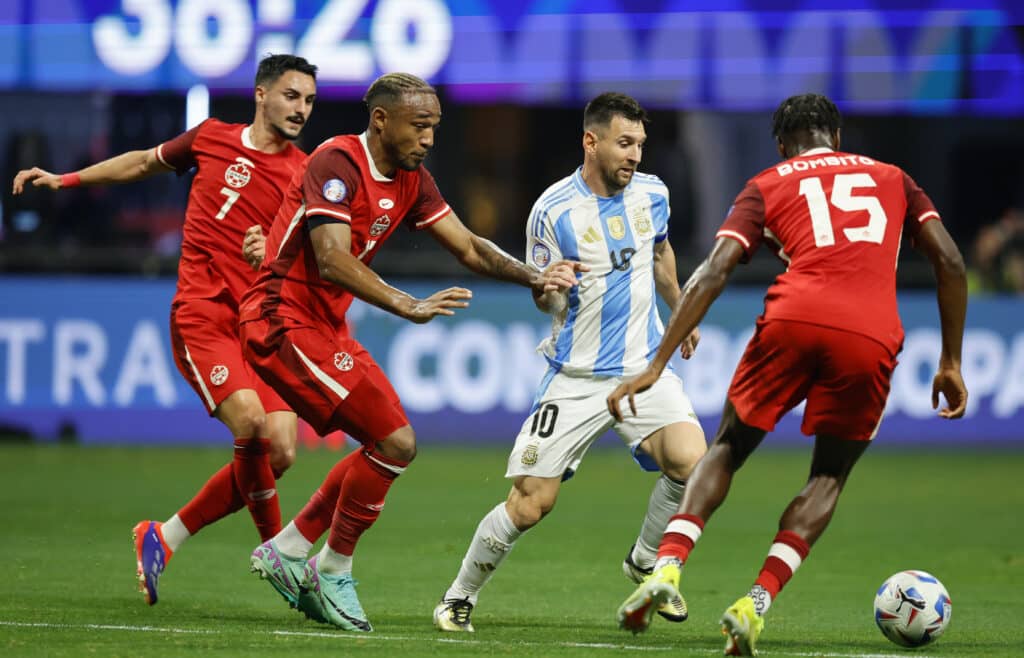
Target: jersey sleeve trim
[
  {"x": 160, "y": 157},
  {"x": 738, "y": 237},
  {"x": 434, "y": 218},
  {"x": 925, "y": 216},
  {"x": 329, "y": 213}
]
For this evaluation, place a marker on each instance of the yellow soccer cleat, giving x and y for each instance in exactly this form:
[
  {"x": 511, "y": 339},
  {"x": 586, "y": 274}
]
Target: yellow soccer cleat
[
  {"x": 674, "y": 609},
  {"x": 658, "y": 589},
  {"x": 741, "y": 626}
]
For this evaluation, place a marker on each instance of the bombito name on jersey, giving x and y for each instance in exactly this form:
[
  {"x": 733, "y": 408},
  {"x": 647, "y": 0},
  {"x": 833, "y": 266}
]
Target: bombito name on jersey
[{"x": 787, "y": 168}]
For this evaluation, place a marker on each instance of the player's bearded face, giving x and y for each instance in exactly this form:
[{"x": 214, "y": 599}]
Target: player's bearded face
[
  {"x": 288, "y": 103},
  {"x": 409, "y": 132},
  {"x": 619, "y": 151}
]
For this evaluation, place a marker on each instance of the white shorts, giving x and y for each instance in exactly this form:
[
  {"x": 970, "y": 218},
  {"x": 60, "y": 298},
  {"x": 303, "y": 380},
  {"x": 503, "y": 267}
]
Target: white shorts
[{"x": 570, "y": 413}]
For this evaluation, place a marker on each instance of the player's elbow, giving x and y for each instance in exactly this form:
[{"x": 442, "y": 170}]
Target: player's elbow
[{"x": 950, "y": 263}]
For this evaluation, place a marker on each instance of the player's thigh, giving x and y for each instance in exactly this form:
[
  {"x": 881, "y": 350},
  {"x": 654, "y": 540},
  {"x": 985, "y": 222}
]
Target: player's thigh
[
  {"x": 207, "y": 351},
  {"x": 665, "y": 433},
  {"x": 775, "y": 372},
  {"x": 569, "y": 415},
  {"x": 848, "y": 397},
  {"x": 316, "y": 373}
]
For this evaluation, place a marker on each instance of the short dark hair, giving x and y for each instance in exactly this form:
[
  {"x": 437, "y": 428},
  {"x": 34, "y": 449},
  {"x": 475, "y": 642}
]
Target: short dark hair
[
  {"x": 389, "y": 88},
  {"x": 273, "y": 67},
  {"x": 602, "y": 109},
  {"x": 805, "y": 112}
]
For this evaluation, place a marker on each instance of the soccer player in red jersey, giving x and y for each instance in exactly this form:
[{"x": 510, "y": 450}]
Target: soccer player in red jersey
[
  {"x": 829, "y": 335},
  {"x": 352, "y": 193},
  {"x": 242, "y": 172}
]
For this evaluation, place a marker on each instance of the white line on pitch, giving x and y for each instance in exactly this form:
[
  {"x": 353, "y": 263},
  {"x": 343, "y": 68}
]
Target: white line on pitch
[{"x": 440, "y": 640}]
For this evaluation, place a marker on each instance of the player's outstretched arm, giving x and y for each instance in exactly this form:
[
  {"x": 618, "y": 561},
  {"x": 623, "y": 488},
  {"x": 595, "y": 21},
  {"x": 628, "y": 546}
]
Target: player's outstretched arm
[
  {"x": 951, "y": 279},
  {"x": 484, "y": 257},
  {"x": 701, "y": 290},
  {"x": 125, "y": 168},
  {"x": 332, "y": 244},
  {"x": 666, "y": 281}
]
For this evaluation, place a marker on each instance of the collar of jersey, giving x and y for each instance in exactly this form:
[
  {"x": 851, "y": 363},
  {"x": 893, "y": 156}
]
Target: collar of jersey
[
  {"x": 583, "y": 189},
  {"x": 377, "y": 176}
]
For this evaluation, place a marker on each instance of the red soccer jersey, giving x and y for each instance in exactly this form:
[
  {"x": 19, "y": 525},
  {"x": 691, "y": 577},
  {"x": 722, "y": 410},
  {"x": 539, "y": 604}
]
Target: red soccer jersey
[
  {"x": 338, "y": 182},
  {"x": 235, "y": 187},
  {"x": 837, "y": 220}
]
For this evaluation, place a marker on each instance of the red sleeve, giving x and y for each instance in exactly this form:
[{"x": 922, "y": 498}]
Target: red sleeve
[
  {"x": 430, "y": 206},
  {"x": 745, "y": 221},
  {"x": 330, "y": 181},
  {"x": 176, "y": 153},
  {"x": 920, "y": 208}
]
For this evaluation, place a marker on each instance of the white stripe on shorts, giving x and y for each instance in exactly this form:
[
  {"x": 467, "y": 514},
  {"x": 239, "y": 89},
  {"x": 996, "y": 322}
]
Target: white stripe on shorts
[
  {"x": 324, "y": 378},
  {"x": 199, "y": 378}
]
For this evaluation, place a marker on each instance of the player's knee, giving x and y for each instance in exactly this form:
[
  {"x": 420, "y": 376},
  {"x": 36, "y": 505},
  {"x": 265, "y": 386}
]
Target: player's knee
[
  {"x": 683, "y": 458},
  {"x": 281, "y": 458},
  {"x": 250, "y": 422},
  {"x": 399, "y": 445}
]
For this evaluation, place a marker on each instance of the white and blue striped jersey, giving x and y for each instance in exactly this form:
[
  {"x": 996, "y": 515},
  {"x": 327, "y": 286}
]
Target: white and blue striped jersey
[{"x": 610, "y": 324}]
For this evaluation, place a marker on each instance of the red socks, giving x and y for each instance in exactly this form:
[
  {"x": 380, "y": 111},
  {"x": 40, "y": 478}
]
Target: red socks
[
  {"x": 315, "y": 518},
  {"x": 255, "y": 481},
  {"x": 787, "y": 552},
  {"x": 218, "y": 498},
  {"x": 681, "y": 533},
  {"x": 366, "y": 482}
]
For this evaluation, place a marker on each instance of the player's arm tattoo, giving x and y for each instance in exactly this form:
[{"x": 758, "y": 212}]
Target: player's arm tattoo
[{"x": 482, "y": 256}]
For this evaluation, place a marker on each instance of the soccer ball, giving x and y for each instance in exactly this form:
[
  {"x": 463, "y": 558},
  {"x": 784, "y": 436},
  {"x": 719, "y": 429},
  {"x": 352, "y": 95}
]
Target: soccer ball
[{"x": 912, "y": 608}]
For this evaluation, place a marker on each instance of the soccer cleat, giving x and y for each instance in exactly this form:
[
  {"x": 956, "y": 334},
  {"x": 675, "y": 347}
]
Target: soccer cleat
[
  {"x": 285, "y": 574},
  {"x": 336, "y": 596},
  {"x": 674, "y": 609},
  {"x": 453, "y": 615},
  {"x": 151, "y": 557},
  {"x": 741, "y": 626},
  {"x": 657, "y": 589}
]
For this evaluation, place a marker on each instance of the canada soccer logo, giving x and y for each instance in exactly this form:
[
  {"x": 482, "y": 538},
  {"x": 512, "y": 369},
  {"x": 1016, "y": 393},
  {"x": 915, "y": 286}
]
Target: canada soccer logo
[
  {"x": 239, "y": 174},
  {"x": 343, "y": 361},
  {"x": 219, "y": 375},
  {"x": 379, "y": 226}
]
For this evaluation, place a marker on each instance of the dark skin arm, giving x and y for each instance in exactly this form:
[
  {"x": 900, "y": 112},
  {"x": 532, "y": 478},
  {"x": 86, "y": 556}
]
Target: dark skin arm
[
  {"x": 951, "y": 279},
  {"x": 483, "y": 257},
  {"x": 332, "y": 245},
  {"x": 704, "y": 286}
]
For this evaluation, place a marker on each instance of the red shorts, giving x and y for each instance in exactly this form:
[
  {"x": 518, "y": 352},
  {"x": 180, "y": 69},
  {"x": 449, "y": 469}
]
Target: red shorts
[
  {"x": 330, "y": 380},
  {"x": 844, "y": 377},
  {"x": 207, "y": 351}
]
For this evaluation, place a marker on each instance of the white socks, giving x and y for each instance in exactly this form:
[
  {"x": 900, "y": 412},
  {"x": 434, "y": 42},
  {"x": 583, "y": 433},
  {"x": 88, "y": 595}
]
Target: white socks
[
  {"x": 664, "y": 502},
  {"x": 175, "y": 533},
  {"x": 491, "y": 542},
  {"x": 333, "y": 563},
  {"x": 291, "y": 542}
]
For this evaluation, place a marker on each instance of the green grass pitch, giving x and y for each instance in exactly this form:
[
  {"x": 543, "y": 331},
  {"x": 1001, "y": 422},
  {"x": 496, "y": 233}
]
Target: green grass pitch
[{"x": 68, "y": 567}]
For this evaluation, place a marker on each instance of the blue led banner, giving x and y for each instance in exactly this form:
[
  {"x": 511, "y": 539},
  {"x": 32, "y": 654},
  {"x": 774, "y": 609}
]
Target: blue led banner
[
  {"x": 935, "y": 56},
  {"x": 94, "y": 355}
]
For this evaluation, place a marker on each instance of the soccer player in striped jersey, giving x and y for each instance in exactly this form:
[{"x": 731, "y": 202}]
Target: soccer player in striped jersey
[
  {"x": 829, "y": 335},
  {"x": 614, "y": 221}
]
